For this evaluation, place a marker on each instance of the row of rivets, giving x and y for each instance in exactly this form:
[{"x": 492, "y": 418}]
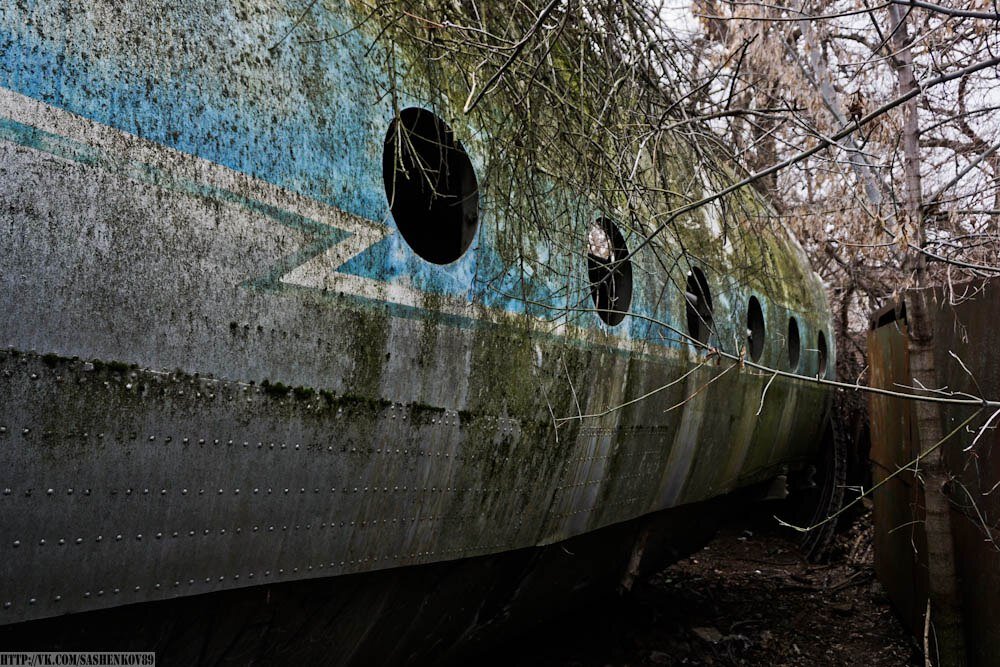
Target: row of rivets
[
  {"x": 295, "y": 570},
  {"x": 285, "y": 491},
  {"x": 271, "y": 445},
  {"x": 627, "y": 501},
  {"x": 368, "y": 523},
  {"x": 628, "y": 454},
  {"x": 451, "y": 418},
  {"x": 617, "y": 478}
]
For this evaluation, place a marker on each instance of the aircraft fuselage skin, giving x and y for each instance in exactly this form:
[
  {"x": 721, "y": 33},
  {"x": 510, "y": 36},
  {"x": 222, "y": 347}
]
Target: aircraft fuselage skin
[{"x": 223, "y": 366}]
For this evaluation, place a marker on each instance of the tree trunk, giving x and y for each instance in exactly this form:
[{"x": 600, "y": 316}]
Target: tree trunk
[
  {"x": 945, "y": 605},
  {"x": 942, "y": 584}
]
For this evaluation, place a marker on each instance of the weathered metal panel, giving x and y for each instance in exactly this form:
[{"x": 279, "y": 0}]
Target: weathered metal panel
[
  {"x": 899, "y": 540},
  {"x": 448, "y": 613},
  {"x": 224, "y": 365},
  {"x": 965, "y": 335}
]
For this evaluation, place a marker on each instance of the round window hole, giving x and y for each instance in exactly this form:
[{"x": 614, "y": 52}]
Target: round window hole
[
  {"x": 698, "y": 300},
  {"x": 755, "y": 329},
  {"x": 823, "y": 353},
  {"x": 794, "y": 343},
  {"x": 431, "y": 186},
  {"x": 609, "y": 270}
]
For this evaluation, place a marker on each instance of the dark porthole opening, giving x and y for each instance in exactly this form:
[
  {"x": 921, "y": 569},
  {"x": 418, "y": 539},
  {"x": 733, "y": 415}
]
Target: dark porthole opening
[
  {"x": 823, "y": 353},
  {"x": 698, "y": 299},
  {"x": 609, "y": 270},
  {"x": 794, "y": 344},
  {"x": 755, "y": 329},
  {"x": 431, "y": 186}
]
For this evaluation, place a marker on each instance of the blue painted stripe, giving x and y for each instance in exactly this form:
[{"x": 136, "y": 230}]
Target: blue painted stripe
[
  {"x": 202, "y": 81},
  {"x": 324, "y": 235}
]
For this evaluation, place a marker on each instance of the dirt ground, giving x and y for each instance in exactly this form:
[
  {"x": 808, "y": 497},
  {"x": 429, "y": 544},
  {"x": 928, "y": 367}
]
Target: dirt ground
[{"x": 748, "y": 598}]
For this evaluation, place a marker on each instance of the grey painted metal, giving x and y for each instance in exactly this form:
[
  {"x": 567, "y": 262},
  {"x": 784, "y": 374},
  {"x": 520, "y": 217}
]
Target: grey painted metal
[{"x": 197, "y": 396}]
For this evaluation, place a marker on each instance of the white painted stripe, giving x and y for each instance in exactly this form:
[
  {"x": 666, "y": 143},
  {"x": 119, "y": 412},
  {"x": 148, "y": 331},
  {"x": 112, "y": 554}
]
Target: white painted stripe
[{"x": 319, "y": 272}]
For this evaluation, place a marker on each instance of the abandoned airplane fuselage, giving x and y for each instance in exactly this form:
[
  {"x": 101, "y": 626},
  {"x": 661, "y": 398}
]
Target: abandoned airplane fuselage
[{"x": 243, "y": 344}]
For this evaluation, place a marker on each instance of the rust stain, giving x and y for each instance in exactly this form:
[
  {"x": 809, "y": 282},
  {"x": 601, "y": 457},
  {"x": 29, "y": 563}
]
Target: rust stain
[{"x": 965, "y": 335}]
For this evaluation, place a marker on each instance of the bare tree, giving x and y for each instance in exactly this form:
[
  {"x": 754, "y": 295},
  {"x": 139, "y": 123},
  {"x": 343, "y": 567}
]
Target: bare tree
[{"x": 906, "y": 201}]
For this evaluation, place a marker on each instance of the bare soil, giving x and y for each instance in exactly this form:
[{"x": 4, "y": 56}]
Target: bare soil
[{"x": 748, "y": 598}]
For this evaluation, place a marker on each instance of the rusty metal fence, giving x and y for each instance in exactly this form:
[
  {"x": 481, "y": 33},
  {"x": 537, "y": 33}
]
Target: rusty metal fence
[{"x": 967, "y": 341}]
